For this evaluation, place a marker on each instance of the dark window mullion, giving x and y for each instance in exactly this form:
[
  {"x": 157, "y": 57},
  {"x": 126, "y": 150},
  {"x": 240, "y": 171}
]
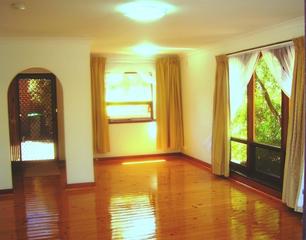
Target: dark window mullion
[
  {"x": 239, "y": 140},
  {"x": 128, "y": 103},
  {"x": 132, "y": 119}
]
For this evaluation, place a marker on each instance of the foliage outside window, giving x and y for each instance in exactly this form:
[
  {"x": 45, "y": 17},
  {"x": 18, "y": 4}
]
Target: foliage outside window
[
  {"x": 268, "y": 104},
  {"x": 129, "y": 97},
  {"x": 239, "y": 121},
  {"x": 239, "y": 153}
]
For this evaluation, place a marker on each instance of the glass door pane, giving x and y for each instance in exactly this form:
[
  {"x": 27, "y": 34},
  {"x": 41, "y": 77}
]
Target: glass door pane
[
  {"x": 239, "y": 153},
  {"x": 268, "y": 105},
  {"x": 239, "y": 117},
  {"x": 268, "y": 122},
  {"x": 268, "y": 161}
]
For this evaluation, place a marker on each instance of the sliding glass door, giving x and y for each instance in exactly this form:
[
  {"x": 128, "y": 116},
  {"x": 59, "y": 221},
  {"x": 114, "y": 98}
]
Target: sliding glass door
[{"x": 258, "y": 129}]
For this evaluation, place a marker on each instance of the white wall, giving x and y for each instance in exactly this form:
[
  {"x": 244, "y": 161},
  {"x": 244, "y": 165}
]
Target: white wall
[
  {"x": 198, "y": 76},
  {"x": 198, "y": 72},
  {"x": 273, "y": 34},
  {"x": 127, "y": 139},
  {"x": 132, "y": 139},
  {"x": 68, "y": 59}
]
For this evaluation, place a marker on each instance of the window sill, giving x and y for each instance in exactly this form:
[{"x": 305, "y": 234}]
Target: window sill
[
  {"x": 256, "y": 183},
  {"x": 130, "y": 121}
]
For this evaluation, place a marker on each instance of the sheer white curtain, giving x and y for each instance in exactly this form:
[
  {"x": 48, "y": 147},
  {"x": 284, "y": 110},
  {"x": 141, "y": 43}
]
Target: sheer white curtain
[
  {"x": 241, "y": 68},
  {"x": 280, "y": 61},
  {"x": 300, "y": 198}
]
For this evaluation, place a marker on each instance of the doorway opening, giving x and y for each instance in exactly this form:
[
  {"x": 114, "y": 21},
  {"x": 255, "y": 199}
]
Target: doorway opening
[{"x": 33, "y": 117}]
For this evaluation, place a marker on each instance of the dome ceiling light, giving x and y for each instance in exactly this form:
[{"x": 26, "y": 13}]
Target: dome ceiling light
[{"x": 145, "y": 11}]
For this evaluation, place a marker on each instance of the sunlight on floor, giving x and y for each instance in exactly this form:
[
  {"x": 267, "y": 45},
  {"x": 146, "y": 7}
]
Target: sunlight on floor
[
  {"x": 35, "y": 150},
  {"x": 143, "y": 162}
]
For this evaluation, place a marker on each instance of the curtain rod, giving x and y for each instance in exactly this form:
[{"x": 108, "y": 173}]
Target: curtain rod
[{"x": 262, "y": 46}]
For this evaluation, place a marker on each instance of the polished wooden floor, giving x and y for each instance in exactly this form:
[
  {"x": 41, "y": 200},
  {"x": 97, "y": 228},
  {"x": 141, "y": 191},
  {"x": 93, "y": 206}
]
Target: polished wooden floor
[{"x": 163, "y": 200}]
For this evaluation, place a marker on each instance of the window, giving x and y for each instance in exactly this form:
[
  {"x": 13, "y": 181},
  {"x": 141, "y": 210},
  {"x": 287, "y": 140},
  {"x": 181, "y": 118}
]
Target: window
[
  {"x": 129, "y": 97},
  {"x": 258, "y": 129}
]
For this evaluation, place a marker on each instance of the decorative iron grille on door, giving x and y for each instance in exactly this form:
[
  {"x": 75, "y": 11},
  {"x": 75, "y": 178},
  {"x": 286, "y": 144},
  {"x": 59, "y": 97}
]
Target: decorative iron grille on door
[{"x": 37, "y": 116}]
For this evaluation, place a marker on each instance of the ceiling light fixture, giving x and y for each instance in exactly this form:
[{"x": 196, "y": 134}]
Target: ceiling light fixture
[
  {"x": 146, "y": 49},
  {"x": 145, "y": 10},
  {"x": 19, "y": 6}
]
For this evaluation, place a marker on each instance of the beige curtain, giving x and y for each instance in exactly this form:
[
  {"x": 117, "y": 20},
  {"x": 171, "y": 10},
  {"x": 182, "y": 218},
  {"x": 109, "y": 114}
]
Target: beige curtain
[
  {"x": 13, "y": 112},
  {"x": 295, "y": 148},
  {"x": 169, "y": 115},
  {"x": 99, "y": 117},
  {"x": 220, "y": 130}
]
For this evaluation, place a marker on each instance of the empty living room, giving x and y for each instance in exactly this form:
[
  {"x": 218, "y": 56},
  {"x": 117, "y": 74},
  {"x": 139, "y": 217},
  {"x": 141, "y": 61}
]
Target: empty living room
[{"x": 152, "y": 119}]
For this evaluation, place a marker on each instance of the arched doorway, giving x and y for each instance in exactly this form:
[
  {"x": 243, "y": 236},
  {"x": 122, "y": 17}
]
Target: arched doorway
[{"x": 33, "y": 117}]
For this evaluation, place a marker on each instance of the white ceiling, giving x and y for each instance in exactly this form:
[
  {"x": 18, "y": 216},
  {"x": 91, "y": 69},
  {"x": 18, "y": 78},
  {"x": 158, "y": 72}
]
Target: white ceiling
[{"x": 194, "y": 23}]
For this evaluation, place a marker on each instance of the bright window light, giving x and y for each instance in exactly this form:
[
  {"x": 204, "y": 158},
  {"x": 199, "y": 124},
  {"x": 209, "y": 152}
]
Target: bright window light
[
  {"x": 37, "y": 150},
  {"x": 145, "y": 10},
  {"x": 129, "y": 96}
]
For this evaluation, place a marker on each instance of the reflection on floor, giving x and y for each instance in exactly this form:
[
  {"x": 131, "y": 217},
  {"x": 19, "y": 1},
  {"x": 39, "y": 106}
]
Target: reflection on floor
[
  {"x": 37, "y": 150},
  {"x": 170, "y": 200},
  {"x": 138, "y": 210}
]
